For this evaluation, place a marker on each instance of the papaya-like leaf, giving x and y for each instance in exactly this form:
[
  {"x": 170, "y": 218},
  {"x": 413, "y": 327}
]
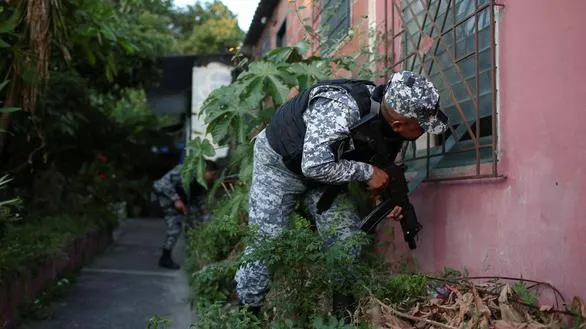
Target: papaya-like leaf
[
  {"x": 194, "y": 164},
  {"x": 308, "y": 74},
  {"x": 284, "y": 55},
  {"x": 271, "y": 77}
]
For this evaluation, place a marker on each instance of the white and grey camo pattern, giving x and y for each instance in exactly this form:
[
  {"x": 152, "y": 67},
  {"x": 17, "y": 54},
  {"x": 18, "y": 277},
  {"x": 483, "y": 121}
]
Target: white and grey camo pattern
[
  {"x": 274, "y": 193},
  {"x": 166, "y": 184},
  {"x": 417, "y": 101},
  {"x": 329, "y": 116},
  {"x": 173, "y": 223},
  {"x": 166, "y": 194}
]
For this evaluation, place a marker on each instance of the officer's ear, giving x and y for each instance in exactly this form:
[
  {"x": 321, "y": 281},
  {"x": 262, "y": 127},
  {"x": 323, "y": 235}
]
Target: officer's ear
[{"x": 397, "y": 125}]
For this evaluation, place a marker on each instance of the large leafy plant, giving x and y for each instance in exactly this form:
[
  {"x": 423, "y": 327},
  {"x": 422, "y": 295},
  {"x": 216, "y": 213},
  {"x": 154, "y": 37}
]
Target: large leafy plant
[{"x": 236, "y": 112}]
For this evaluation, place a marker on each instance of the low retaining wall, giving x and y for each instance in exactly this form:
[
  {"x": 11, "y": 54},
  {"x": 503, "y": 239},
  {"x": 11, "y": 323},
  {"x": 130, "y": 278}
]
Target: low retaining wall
[{"x": 25, "y": 289}]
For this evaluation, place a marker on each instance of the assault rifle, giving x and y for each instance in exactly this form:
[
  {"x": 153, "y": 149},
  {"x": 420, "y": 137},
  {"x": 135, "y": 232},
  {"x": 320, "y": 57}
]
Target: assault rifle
[
  {"x": 396, "y": 193},
  {"x": 376, "y": 144},
  {"x": 379, "y": 146}
]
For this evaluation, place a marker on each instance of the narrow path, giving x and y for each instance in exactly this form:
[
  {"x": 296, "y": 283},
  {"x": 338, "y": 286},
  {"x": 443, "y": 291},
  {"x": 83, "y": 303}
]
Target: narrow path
[{"x": 124, "y": 287}]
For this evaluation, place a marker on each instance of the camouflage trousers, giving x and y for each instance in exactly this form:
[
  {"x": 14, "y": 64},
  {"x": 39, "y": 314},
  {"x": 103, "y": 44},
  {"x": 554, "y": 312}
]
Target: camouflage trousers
[
  {"x": 175, "y": 221},
  {"x": 274, "y": 194}
]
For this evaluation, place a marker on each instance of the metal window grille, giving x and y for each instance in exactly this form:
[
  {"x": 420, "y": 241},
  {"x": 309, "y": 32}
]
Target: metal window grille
[
  {"x": 334, "y": 23},
  {"x": 453, "y": 43}
]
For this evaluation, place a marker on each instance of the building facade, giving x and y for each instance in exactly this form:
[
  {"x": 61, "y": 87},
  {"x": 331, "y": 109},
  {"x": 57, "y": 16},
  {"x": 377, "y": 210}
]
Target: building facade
[{"x": 503, "y": 192}]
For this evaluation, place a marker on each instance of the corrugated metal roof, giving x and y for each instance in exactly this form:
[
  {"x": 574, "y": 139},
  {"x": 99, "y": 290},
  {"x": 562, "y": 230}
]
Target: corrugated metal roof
[{"x": 265, "y": 9}]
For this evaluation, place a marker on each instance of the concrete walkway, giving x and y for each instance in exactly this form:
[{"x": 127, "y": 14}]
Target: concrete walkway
[{"x": 124, "y": 287}]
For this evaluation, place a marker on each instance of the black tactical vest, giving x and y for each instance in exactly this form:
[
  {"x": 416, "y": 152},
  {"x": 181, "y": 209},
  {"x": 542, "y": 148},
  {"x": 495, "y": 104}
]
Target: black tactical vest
[{"x": 286, "y": 131}]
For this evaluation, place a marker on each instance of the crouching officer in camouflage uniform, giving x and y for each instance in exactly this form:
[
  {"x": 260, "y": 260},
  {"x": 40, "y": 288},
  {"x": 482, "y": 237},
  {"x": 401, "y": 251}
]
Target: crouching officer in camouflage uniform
[
  {"x": 298, "y": 155},
  {"x": 176, "y": 206}
]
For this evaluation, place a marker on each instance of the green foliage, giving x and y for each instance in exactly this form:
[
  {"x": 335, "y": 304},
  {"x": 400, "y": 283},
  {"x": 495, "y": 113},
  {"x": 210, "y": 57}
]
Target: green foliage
[
  {"x": 158, "y": 322},
  {"x": 37, "y": 240},
  {"x": 304, "y": 273},
  {"x": 403, "y": 290},
  {"x": 305, "y": 269},
  {"x": 132, "y": 109},
  {"x": 198, "y": 149},
  {"x": 116, "y": 42},
  {"x": 211, "y": 28},
  {"x": 227, "y": 230},
  {"x": 219, "y": 316},
  {"x": 213, "y": 283}
]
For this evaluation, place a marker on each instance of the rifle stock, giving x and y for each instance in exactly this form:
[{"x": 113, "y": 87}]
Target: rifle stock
[{"x": 396, "y": 193}]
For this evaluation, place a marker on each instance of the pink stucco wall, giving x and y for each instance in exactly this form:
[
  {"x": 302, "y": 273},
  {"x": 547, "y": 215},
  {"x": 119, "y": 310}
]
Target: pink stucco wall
[{"x": 533, "y": 223}]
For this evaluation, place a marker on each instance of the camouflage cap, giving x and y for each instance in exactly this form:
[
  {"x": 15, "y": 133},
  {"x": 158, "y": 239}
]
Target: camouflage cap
[{"x": 414, "y": 96}]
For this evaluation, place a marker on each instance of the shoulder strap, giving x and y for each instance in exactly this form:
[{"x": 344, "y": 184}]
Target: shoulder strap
[{"x": 356, "y": 88}]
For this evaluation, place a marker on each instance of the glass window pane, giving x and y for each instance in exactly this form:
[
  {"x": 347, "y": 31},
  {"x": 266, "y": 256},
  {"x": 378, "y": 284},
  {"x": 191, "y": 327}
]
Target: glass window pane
[
  {"x": 485, "y": 59},
  {"x": 468, "y": 67},
  {"x": 485, "y": 82},
  {"x": 465, "y": 37},
  {"x": 464, "y": 8}
]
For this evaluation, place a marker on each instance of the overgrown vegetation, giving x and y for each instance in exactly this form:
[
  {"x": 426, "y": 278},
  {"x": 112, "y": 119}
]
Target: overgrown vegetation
[
  {"x": 73, "y": 114},
  {"x": 75, "y": 131},
  {"x": 36, "y": 240}
]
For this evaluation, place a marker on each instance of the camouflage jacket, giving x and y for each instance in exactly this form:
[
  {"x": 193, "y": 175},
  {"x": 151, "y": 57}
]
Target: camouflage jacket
[
  {"x": 171, "y": 187},
  {"x": 329, "y": 116}
]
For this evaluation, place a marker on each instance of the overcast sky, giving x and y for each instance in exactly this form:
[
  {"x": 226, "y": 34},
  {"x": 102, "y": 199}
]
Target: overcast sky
[{"x": 244, "y": 9}]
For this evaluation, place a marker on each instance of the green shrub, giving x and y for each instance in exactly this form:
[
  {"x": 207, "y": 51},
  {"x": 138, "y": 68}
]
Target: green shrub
[
  {"x": 213, "y": 283},
  {"x": 39, "y": 239},
  {"x": 215, "y": 240}
]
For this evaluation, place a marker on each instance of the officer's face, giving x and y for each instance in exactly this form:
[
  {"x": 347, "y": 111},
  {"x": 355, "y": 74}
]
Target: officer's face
[{"x": 408, "y": 128}]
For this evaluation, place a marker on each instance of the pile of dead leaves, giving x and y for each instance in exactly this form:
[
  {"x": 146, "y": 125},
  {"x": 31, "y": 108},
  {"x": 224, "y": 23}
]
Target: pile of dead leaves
[{"x": 466, "y": 305}]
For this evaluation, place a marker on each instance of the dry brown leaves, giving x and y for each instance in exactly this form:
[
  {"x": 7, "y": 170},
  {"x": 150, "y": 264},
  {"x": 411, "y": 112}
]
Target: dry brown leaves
[{"x": 466, "y": 306}]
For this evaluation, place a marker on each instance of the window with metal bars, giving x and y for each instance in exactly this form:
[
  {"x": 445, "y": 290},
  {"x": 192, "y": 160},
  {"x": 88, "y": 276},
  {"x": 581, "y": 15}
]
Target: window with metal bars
[
  {"x": 335, "y": 22},
  {"x": 452, "y": 42}
]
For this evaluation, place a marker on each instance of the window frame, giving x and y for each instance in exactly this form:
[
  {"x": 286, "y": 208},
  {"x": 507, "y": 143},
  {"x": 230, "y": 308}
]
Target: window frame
[
  {"x": 454, "y": 163},
  {"x": 330, "y": 45}
]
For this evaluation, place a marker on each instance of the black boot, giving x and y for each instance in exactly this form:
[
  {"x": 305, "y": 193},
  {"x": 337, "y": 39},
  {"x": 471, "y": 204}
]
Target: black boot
[
  {"x": 166, "y": 261},
  {"x": 343, "y": 306}
]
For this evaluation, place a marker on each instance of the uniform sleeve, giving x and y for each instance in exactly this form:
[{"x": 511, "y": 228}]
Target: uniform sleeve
[
  {"x": 328, "y": 118},
  {"x": 167, "y": 183}
]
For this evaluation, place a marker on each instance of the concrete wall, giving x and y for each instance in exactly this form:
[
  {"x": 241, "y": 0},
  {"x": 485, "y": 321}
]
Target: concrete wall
[{"x": 533, "y": 224}]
